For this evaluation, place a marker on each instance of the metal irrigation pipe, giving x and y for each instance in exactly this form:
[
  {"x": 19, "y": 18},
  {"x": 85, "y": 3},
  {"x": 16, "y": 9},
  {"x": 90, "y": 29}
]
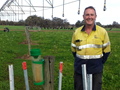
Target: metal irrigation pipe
[
  {"x": 18, "y": 6},
  {"x": 34, "y": 6},
  {"x": 104, "y": 9},
  {"x": 63, "y": 8},
  {"x": 49, "y": 2},
  {"x": 79, "y": 8},
  {"x": 52, "y": 9}
]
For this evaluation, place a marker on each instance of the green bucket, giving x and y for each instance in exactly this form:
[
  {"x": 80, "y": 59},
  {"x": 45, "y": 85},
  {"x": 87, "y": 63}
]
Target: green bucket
[{"x": 35, "y": 52}]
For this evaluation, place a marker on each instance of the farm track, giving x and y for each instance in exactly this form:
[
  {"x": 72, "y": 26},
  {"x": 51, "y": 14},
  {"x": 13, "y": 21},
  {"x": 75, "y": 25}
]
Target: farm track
[{"x": 57, "y": 31}]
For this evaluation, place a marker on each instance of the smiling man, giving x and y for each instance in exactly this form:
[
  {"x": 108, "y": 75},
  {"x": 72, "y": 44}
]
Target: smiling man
[{"x": 91, "y": 46}]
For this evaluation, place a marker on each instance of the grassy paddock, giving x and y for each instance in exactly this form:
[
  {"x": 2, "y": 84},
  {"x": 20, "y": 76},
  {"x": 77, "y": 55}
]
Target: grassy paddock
[
  {"x": 23, "y": 28},
  {"x": 13, "y": 27},
  {"x": 113, "y": 29},
  {"x": 58, "y": 45}
]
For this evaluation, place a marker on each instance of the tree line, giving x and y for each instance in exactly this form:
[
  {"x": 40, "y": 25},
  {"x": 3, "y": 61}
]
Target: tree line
[
  {"x": 41, "y": 22},
  {"x": 113, "y": 25},
  {"x": 55, "y": 23}
]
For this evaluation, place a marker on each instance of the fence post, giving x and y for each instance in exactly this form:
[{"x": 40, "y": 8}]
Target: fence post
[
  {"x": 49, "y": 72},
  {"x": 28, "y": 38}
]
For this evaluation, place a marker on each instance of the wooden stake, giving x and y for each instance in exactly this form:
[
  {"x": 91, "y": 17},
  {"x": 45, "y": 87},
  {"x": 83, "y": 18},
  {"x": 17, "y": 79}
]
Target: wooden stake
[
  {"x": 28, "y": 39},
  {"x": 49, "y": 72}
]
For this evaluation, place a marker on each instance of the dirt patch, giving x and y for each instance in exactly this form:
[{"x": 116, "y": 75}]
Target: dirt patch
[
  {"x": 26, "y": 42},
  {"x": 24, "y": 34},
  {"x": 26, "y": 57}
]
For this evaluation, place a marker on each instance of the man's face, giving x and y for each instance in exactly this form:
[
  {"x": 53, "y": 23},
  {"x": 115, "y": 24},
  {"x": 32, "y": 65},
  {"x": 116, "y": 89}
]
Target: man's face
[{"x": 89, "y": 17}]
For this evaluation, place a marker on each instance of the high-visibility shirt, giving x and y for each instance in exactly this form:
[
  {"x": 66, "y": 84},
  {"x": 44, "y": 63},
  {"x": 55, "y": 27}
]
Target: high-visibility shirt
[{"x": 92, "y": 49}]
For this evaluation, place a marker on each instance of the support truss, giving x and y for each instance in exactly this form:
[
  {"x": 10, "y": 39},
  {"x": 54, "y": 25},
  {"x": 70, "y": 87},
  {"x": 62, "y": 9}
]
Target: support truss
[
  {"x": 17, "y": 7},
  {"x": 22, "y": 7}
]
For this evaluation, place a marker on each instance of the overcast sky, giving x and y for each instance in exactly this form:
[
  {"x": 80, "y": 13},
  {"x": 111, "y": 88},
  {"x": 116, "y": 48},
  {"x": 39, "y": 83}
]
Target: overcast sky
[{"x": 111, "y": 14}]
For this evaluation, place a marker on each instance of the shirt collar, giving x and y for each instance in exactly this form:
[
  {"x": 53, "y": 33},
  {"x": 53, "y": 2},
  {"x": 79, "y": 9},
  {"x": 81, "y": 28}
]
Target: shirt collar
[{"x": 94, "y": 28}]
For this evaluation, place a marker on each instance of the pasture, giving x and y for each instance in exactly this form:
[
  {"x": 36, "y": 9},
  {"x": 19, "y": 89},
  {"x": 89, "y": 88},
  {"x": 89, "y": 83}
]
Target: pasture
[{"x": 55, "y": 43}]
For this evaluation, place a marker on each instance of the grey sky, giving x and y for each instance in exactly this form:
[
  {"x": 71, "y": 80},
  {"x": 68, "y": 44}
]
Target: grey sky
[{"x": 70, "y": 10}]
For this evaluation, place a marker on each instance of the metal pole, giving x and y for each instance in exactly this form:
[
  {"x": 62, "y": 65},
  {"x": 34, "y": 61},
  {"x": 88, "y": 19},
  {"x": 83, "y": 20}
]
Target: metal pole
[
  {"x": 43, "y": 9},
  {"x": 60, "y": 75},
  {"x": 25, "y": 75},
  {"x": 63, "y": 8},
  {"x": 89, "y": 81},
  {"x": 104, "y": 9},
  {"x": 11, "y": 77},
  {"x": 52, "y": 9},
  {"x": 84, "y": 76},
  {"x": 79, "y": 8}
]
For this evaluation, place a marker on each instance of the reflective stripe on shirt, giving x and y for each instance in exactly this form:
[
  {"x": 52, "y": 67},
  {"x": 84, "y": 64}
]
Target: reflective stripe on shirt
[
  {"x": 90, "y": 46},
  {"x": 106, "y": 44},
  {"x": 73, "y": 45},
  {"x": 89, "y": 56}
]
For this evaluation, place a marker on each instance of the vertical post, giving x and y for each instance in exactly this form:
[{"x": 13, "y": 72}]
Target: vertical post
[
  {"x": 11, "y": 77},
  {"x": 63, "y": 8},
  {"x": 79, "y": 8},
  {"x": 60, "y": 75},
  {"x": 39, "y": 28},
  {"x": 104, "y": 5},
  {"x": 84, "y": 76},
  {"x": 25, "y": 75},
  {"x": 28, "y": 39},
  {"x": 49, "y": 72},
  {"x": 52, "y": 9},
  {"x": 89, "y": 81},
  {"x": 43, "y": 9}
]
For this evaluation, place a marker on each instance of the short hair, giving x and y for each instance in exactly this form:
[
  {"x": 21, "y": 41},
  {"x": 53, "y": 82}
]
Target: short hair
[{"x": 90, "y": 7}]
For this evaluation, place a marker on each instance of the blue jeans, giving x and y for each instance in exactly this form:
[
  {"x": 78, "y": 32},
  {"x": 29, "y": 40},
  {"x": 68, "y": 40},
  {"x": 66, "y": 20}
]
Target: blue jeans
[{"x": 96, "y": 81}]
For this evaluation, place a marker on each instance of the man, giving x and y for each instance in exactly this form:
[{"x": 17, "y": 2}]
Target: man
[{"x": 91, "y": 46}]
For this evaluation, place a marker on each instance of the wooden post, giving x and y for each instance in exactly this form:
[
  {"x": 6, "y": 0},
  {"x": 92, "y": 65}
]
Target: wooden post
[
  {"x": 28, "y": 39},
  {"x": 49, "y": 72}
]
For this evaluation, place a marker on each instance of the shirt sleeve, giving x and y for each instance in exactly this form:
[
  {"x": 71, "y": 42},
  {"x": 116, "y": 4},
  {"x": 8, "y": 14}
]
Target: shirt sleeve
[
  {"x": 106, "y": 47},
  {"x": 73, "y": 46}
]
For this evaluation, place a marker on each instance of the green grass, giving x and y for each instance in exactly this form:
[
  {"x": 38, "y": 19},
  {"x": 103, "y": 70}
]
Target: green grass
[
  {"x": 23, "y": 28},
  {"x": 13, "y": 27},
  {"x": 56, "y": 44},
  {"x": 114, "y": 29}
]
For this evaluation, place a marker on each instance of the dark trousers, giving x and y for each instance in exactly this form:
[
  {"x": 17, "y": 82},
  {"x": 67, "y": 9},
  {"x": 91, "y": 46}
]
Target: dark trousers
[{"x": 96, "y": 81}]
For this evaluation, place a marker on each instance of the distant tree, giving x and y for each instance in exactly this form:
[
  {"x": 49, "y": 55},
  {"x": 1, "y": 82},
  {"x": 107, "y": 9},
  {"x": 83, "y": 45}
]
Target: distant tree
[
  {"x": 3, "y": 22},
  {"x": 108, "y": 26},
  {"x": 7, "y": 22},
  {"x": 47, "y": 23},
  {"x": 15, "y": 23},
  {"x": 57, "y": 22},
  {"x": 115, "y": 24},
  {"x": 83, "y": 22},
  {"x": 98, "y": 23},
  {"x": 65, "y": 23},
  {"x": 27, "y": 21},
  {"x": 11, "y": 23},
  {"x": 40, "y": 21},
  {"x": 78, "y": 24},
  {"x": 21, "y": 23},
  {"x": 32, "y": 20}
]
